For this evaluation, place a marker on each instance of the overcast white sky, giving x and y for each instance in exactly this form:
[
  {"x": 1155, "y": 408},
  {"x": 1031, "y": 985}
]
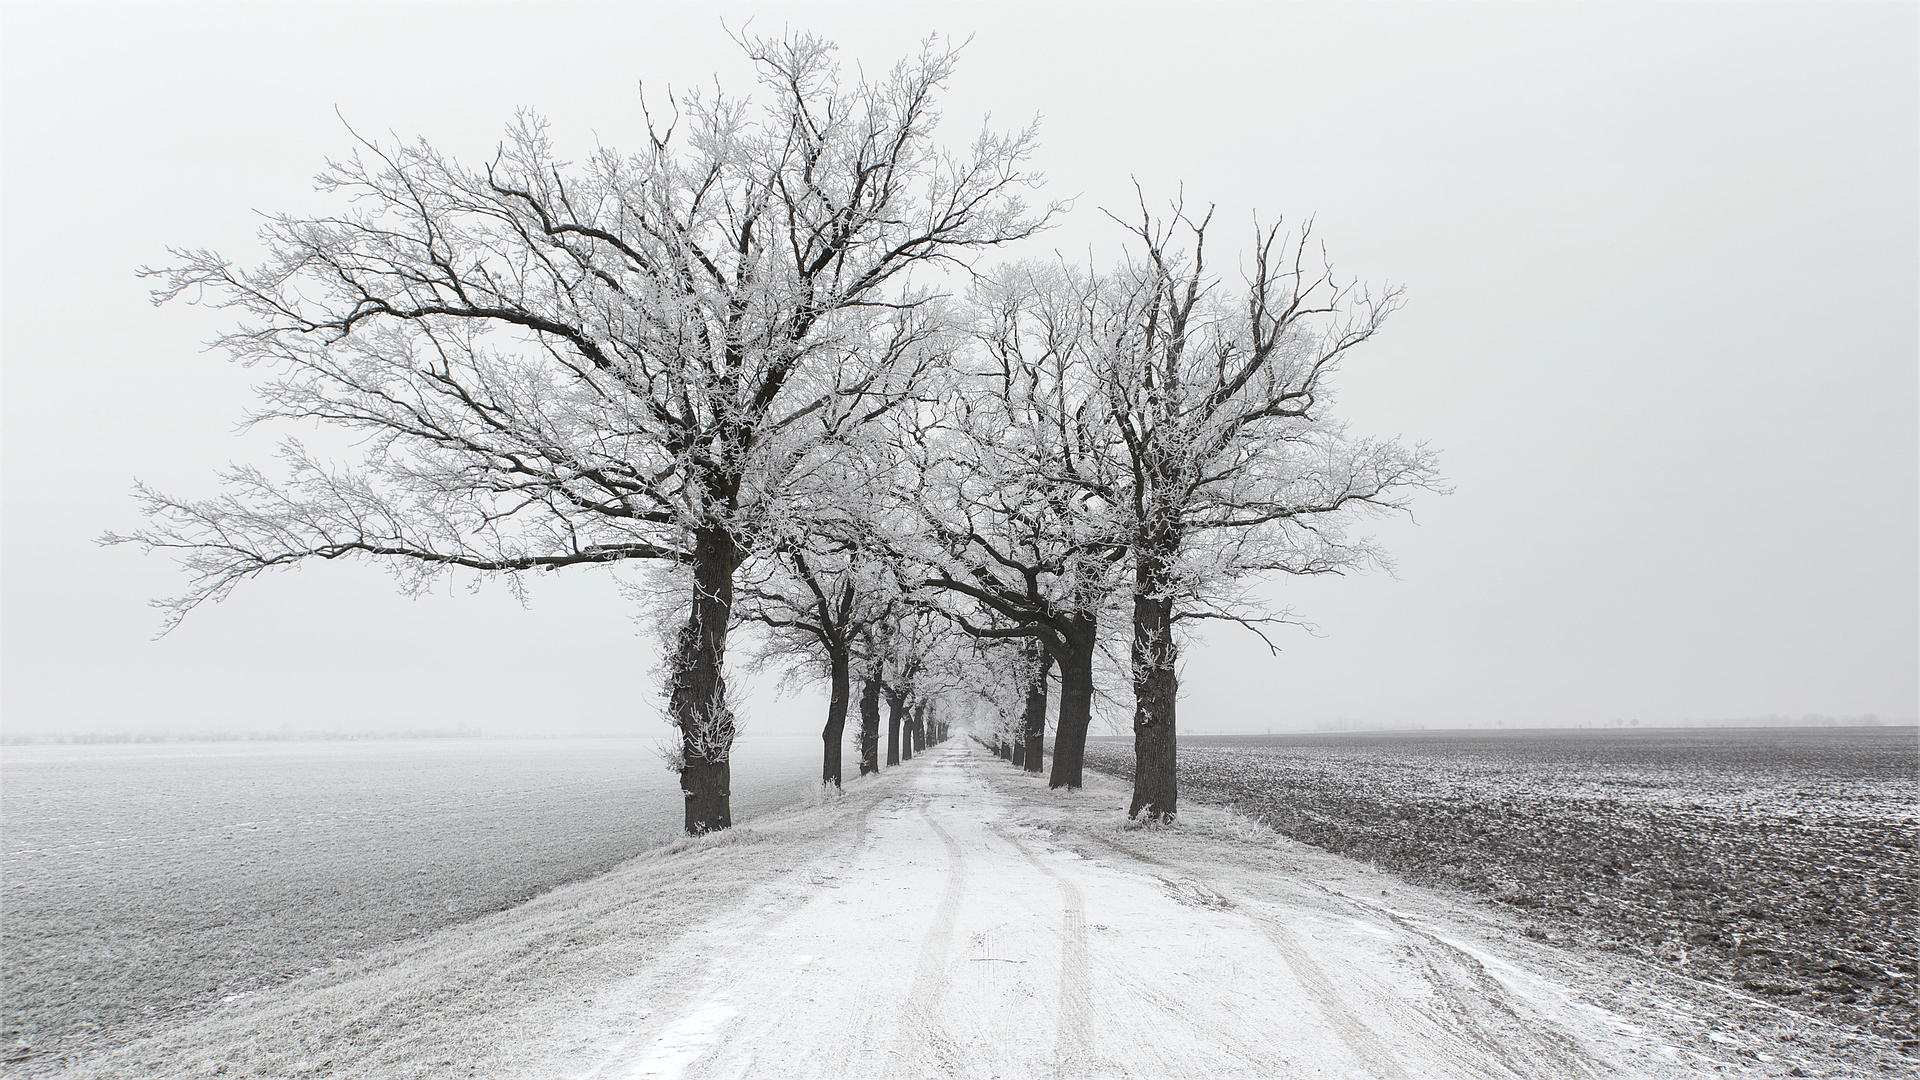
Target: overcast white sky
[{"x": 1661, "y": 268}]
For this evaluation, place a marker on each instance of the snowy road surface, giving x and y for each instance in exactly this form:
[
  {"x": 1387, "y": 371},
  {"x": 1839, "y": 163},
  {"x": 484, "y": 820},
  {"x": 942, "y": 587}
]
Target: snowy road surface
[
  {"x": 955, "y": 918},
  {"x": 960, "y": 938}
]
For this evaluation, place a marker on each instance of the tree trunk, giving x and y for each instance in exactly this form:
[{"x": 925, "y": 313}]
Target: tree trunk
[
  {"x": 920, "y": 730},
  {"x": 833, "y": 736},
  {"x": 870, "y": 725},
  {"x": 697, "y": 686},
  {"x": 1156, "y": 686},
  {"x": 1034, "y": 736},
  {"x": 708, "y": 787},
  {"x": 906, "y": 736},
  {"x": 1076, "y": 703},
  {"x": 896, "y": 709}
]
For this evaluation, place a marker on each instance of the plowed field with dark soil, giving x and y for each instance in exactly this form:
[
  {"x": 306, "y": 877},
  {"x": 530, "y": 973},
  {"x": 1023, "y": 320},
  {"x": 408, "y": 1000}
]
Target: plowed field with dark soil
[{"x": 1779, "y": 860}]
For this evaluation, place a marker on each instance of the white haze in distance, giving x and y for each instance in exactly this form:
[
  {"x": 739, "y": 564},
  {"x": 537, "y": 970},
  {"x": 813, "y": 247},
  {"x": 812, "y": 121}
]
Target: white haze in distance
[{"x": 1661, "y": 276}]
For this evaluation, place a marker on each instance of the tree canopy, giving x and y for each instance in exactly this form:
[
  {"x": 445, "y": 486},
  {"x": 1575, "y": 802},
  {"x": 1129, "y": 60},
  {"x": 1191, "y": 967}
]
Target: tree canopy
[{"x": 729, "y": 354}]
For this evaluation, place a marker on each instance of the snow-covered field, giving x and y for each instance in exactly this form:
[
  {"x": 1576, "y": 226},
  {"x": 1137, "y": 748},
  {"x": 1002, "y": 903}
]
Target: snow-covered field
[
  {"x": 143, "y": 879},
  {"x": 955, "y": 918}
]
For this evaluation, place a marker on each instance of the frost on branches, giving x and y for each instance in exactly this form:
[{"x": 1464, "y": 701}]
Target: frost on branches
[
  {"x": 1230, "y": 467},
  {"x": 556, "y": 364},
  {"x": 1013, "y": 471}
]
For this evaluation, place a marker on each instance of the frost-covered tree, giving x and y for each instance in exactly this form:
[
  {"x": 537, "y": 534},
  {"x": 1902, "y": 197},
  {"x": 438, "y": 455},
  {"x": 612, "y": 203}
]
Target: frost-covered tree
[
  {"x": 556, "y": 364},
  {"x": 827, "y": 598},
  {"x": 1030, "y": 743},
  {"x": 1230, "y": 466},
  {"x": 918, "y": 659},
  {"x": 1005, "y": 579},
  {"x": 991, "y": 691},
  {"x": 1015, "y": 477},
  {"x": 817, "y": 601}
]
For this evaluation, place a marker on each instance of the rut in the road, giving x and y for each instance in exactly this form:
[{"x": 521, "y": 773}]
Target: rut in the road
[
  {"x": 1074, "y": 1044},
  {"x": 919, "y": 1030}
]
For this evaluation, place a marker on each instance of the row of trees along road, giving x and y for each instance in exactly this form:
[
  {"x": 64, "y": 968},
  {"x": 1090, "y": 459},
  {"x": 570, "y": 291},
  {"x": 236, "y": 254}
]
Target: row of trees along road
[{"x": 725, "y": 357}]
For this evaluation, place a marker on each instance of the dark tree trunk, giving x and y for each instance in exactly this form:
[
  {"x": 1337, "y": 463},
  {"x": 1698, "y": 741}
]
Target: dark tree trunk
[
  {"x": 708, "y": 787},
  {"x": 906, "y": 737},
  {"x": 833, "y": 736},
  {"x": 1156, "y": 686},
  {"x": 896, "y": 710},
  {"x": 870, "y": 725},
  {"x": 920, "y": 730},
  {"x": 697, "y": 686},
  {"x": 1076, "y": 703},
  {"x": 1033, "y": 736}
]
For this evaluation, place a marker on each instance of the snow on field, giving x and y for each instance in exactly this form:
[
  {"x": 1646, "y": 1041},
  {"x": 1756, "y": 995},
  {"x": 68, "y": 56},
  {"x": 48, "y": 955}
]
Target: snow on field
[
  {"x": 954, "y": 918},
  {"x": 144, "y": 881}
]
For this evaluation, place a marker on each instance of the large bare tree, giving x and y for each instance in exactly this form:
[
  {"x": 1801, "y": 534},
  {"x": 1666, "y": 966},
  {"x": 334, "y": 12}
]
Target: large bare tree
[
  {"x": 814, "y": 607},
  {"x": 1016, "y": 485},
  {"x": 554, "y": 364},
  {"x": 1231, "y": 467}
]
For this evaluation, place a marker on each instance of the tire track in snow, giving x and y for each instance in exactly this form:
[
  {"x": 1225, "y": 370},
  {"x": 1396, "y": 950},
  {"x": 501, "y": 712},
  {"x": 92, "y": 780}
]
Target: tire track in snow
[
  {"x": 682, "y": 1043},
  {"x": 1353, "y": 1032},
  {"x": 1553, "y": 1050},
  {"x": 1350, "y": 1029},
  {"x": 1516, "y": 1047},
  {"x": 1073, "y": 1045},
  {"x": 919, "y": 1029},
  {"x": 699, "y": 1028}
]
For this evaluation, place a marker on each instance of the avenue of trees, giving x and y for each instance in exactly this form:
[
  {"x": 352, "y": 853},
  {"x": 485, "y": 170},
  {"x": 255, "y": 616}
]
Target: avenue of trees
[{"x": 740, "y": 358}]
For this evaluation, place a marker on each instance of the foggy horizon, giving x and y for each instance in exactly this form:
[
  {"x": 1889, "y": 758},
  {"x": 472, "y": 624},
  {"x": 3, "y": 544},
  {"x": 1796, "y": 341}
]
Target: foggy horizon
[{"x": 377, "y": 734}]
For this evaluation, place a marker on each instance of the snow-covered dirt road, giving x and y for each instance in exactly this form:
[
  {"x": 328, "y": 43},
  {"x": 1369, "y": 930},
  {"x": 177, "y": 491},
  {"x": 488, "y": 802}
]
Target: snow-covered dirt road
[
  {"x": 974, "y": 932},
  {"x": 955, "y": 918}
]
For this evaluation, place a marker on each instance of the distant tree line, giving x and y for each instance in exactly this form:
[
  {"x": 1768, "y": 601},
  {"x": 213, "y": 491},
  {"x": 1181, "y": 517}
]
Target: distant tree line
[{"x": 762, "y": 357}]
